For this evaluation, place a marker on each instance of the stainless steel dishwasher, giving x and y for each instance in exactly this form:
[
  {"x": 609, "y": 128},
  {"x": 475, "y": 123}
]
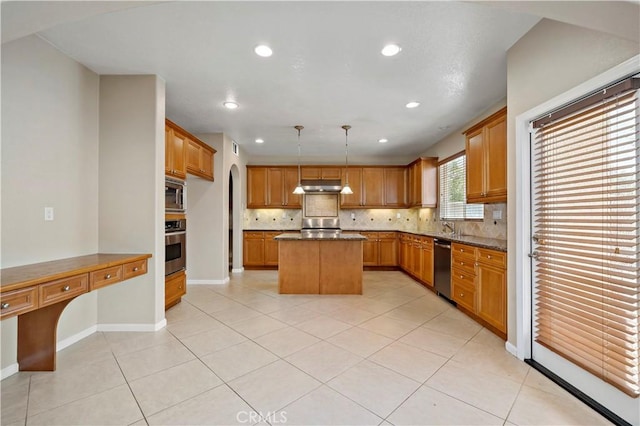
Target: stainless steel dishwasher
[{"x": 442, "y": 267}]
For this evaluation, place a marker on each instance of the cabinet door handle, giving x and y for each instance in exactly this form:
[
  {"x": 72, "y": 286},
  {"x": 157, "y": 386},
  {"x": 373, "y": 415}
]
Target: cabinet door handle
[
  {"x": 5, "y": 305},
  {"x": 106, "y": 277},
  {"x": 66, "y": 288}
]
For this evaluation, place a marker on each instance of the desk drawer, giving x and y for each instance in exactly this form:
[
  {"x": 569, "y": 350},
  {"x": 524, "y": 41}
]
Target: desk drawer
[
  {"x": 133, "y": 269},
  {"x": 104, "y": 277},
  {"x": 18, "y": 302},
  {"x": 59, "y": 290}
]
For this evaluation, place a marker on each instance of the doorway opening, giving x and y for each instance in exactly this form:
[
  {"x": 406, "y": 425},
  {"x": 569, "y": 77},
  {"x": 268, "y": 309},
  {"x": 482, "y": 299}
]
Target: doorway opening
[{"x": 230, "y": 220}]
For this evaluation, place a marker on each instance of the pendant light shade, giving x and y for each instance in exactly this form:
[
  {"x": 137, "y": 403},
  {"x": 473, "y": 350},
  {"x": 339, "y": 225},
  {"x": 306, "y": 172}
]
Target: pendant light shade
[
  {"x": 298, "y": 190},
  {"x": 346, "y": 189}
]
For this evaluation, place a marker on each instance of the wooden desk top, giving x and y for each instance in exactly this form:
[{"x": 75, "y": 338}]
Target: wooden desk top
[{"x": 38, "y": 273}]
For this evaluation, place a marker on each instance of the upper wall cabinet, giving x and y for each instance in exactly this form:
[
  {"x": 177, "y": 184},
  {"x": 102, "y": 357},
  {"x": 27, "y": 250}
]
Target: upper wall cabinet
[
  {"x": 272, "y": 187},
  {"x": 486, "y": 149},
  {"x": 320, "y": 172},
  {"x": 186, "y": 153},
  {"x": 174, "y": 153},
  {"x": 423, "y": 182}
]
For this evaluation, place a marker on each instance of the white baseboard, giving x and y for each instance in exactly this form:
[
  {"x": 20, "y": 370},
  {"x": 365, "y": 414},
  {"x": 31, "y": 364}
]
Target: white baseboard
[
  {"x": 61, "y": 344},
  {"x": 9, "y": 371},
  {"x": 237, "y": 270},
  {"x": 133, "y": 327},
  {"x": 208, "y": 282},
  {"x": 511, "y": 349}
]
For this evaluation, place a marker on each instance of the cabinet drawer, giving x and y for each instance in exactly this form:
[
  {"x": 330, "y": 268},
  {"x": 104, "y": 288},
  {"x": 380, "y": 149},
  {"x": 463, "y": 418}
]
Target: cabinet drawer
[
  {"x": 463, "y": 250},
  {"x": 175, "y": 286},
  {"x": 387, "y": 235},
  {"x": 271, "y": 235},
  {"x": 492, "y": 257},
  {"x": 463, "y": 294},
  {"x": 371, "y": 236},
  {"x": 464, "y": 276},
  {"x": 427, "y": 243},
  {"x": 67, "y": 288},
  {"x": 133, "y": 269},
  {"x": 18, "y": 302},
  {"x": 254, "y": 235},
  {"x": 464, "y": 263},
  {"x": 104, "y": 277}
]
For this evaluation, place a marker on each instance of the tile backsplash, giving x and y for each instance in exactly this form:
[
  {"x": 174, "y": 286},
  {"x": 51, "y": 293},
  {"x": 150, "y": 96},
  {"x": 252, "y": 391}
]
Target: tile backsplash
[{"x": 410, "y": 220}]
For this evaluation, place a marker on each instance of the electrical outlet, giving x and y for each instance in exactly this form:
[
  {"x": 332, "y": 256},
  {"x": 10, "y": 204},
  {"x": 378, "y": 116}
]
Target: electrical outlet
[
  {"x": 48, "y": 213},
  {"x": 397, "y": 215},
  {"x": 353, "y": 216},
  {"x": 497, "y": 214}
]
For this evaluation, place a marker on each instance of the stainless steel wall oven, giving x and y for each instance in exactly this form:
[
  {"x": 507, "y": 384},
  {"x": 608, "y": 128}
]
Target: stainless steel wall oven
[{"x": 175, "y": 246}]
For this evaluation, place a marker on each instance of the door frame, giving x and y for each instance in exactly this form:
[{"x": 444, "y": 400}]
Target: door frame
[{"x": 523, "y": 195}]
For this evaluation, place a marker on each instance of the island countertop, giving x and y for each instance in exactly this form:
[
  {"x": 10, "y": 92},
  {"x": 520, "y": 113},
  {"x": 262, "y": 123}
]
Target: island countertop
[{"x": 292, "y": 236}]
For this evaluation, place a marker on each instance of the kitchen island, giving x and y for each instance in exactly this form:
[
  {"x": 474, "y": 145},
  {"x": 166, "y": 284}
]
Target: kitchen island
[{"x": 320, "y": 264}]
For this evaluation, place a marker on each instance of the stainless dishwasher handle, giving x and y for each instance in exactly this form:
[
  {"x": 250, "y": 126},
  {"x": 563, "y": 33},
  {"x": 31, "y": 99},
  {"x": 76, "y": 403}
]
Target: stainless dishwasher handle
[{"x": 447, "y": 246}]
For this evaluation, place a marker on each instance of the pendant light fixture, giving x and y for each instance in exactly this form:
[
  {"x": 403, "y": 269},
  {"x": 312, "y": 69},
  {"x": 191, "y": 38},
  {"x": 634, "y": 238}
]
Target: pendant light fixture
[
  {"x": 346, "y": 189},
  {"x": 298, "y": 189}
]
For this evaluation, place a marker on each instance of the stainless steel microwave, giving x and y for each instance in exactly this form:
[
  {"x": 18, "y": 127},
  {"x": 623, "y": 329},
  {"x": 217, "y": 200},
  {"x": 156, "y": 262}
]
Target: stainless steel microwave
[{"x": 175, "y": 196}]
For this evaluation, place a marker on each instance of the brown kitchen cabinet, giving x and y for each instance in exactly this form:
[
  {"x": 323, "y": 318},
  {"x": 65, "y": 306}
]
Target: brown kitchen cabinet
[
  {"x": 175, "y": 286},
  {"x": 174, "y": 153},
  {"x": 321, "y": 172},
  {"x": 479, "y": 284},
  {"x": 404, "y": 251},
  {"x": 184, "y": 153},
  {"x": 486, "y": 151},
  {"x": 395, "y": 187},
  {"x": 260, "y": 250},
  {"x": 272, "y": 187},
  {"x": 423, "y": 182},
  {"x": 200, "y": 159},
  {"x": 354, "y": 200},
  {"x": 380, "y": 249},
  {"x": 373, "y": 187},
  {"x": 426, "y": 259}
]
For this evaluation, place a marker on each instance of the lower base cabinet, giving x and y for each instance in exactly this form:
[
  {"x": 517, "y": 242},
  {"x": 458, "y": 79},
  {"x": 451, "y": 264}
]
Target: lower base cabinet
[
  {"x": 175, "y": 286},
  {"x": 479, "y": 284},
  {"x": 260, "y": 250}
]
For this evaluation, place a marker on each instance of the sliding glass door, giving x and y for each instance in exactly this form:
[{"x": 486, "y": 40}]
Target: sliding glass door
[{"x": 585, "y": 241}]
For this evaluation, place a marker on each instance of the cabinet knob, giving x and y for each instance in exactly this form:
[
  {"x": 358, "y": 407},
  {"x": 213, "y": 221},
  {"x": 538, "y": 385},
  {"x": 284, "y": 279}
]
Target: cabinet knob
[
  {"x": 135, "y": 269},
  {"x": 488, "y": 256},
  {"x": 5, "y": 305},
  {"x": 106, "y": 277},
  {"x": 66, "y": 288},
  {"x": 461, "y": 276},
  {"x": 461, "y": 294}
]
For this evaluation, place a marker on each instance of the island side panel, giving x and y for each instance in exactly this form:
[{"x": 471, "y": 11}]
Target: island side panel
[
  {"x": 298, "y": 267},
  {"x": 341, "y": 267}
]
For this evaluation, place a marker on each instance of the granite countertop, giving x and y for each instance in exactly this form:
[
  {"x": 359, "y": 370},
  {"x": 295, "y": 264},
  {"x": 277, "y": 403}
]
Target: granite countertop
[
  {"x": 289, "y": 236},
  {"x": 490, "y": 243}
]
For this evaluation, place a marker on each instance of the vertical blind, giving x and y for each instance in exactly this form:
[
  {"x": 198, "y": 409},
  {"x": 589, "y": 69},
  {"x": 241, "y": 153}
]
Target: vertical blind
[
  {"x": 453, "y": 190},
  {"x": 585, "y": 223}
]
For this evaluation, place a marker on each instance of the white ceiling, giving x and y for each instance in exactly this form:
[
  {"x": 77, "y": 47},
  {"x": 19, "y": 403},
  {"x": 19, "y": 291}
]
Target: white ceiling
[{"x": 326, "y": 70}]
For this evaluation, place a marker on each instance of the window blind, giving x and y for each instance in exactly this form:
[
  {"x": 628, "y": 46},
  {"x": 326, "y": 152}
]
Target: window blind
[
  {"x": 453, "y": 191},
  {"x": 585, "y": 222}
]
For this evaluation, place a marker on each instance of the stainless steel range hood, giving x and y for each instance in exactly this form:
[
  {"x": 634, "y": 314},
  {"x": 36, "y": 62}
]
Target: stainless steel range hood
[{"x": 317, "y": 185}]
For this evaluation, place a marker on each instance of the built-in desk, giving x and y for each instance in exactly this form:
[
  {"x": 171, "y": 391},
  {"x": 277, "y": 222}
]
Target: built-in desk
[{"x": 38, "y": 294}]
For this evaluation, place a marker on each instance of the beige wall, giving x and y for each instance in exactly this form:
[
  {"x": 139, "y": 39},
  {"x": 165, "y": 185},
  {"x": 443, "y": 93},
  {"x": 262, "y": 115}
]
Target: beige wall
[
  {"x": 49, "y": 158},
  {"x": 549, "y": 60},
  {"x": 131, "y": 218},
  {"x": 208, "y": 215}
]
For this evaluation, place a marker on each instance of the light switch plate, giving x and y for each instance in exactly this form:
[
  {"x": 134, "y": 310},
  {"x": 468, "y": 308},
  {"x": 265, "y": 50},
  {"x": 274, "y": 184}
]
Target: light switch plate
[
  {"x": 497, "y": 214},
  {"x": 48, "y": 213}
]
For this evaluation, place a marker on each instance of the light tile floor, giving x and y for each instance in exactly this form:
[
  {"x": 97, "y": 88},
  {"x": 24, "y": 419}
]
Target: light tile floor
[{"x": 396, "y": 355}]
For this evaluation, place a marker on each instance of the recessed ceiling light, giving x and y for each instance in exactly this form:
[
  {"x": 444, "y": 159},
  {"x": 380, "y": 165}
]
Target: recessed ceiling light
[
  {"x": 230, "y": 105},
  {"x": 259, "y": 141},
  {"x": 391, "y": 50},
  {"x": 383, "y": 140},
  {"x": 413, "y": 104},
  {"x": 263, "y": 50}
]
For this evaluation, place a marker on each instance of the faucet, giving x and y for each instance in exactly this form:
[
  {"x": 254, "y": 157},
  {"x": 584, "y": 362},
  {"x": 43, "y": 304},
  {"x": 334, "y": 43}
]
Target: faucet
[{"x": 450, "y": 225}]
